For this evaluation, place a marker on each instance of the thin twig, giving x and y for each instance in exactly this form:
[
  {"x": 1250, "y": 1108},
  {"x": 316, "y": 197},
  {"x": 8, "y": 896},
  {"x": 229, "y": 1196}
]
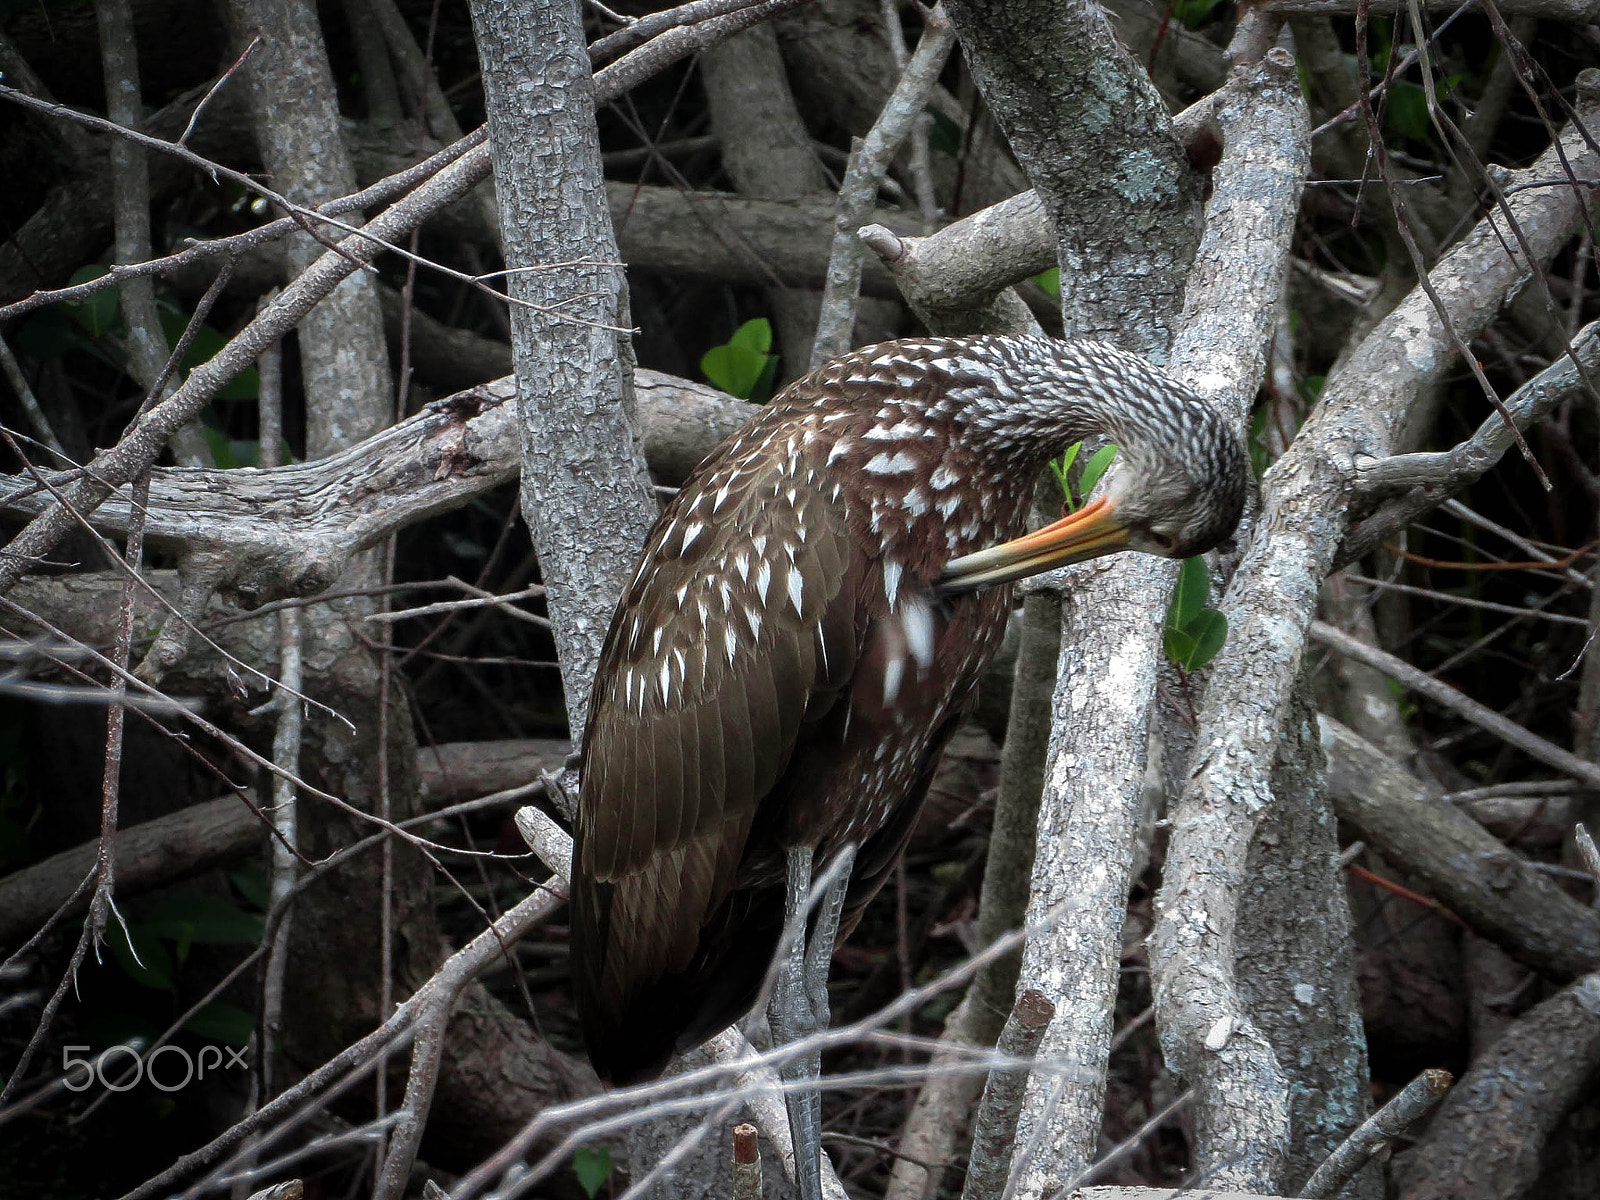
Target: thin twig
[
  {"x": 1485, "y": 718},
  {"x": 194, "y": 117},
  {"x": 994, "y": 1130},
  {"x": 30, "y": 402},
  {"x": 746, "y": 1163},
  {"x": 869, "y": 164},
  {"x": 1410, "y": 1105},
  {"x": 1380, "y": 155}
]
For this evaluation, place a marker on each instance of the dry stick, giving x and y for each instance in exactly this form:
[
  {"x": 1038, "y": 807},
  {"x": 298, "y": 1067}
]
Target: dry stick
[
  {"x": 131, "y": 188},
  {"x": 633, "y": 69},
  {"x": 286, "y": 753},
  {"x": 147, "y": 348},
  {"x": 30, "y": 402},
  {"x": 1450, "y": 470},
  {"x": 437, "y": 995},
  {"x": 381, "y": 192},
  {"x": 869, "y": 163},
  {"x": 1380, "y": 155},
  {"x": 649, "y": 26},
  {"x": 995, "y": 1129},
  {"x": 668, "y": 1162},
  {"x": 746, "y": 1163},
  {"x": 1448, "y": 129},
  {"x": 269, "y": 399},
  {"x": 1415, "y": 1101},
  {"x": 285, "y": 863},
  {"x": 1480, "y": 715},
  {"x": 920, "y": 166},
  {"x": 1129, "y": 1143},
  {"x": 758, "y": 1086},
  {"x": 501, "y": 602},
  {"x": 275, "y": 915},
  {"x": 424, "y": 845},
  {"x": 142, "y": 443}
]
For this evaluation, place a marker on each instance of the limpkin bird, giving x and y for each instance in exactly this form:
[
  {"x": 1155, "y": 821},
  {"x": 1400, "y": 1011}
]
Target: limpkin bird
[{"x": 808, "y": 621}]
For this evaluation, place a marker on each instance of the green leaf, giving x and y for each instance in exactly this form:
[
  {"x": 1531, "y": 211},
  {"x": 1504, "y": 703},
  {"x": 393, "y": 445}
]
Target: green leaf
[
  {"x": 1189, "y": 597},
  {"x": 1050, "y": 281},
  {"x": 203, "y": 920},
  {"x": 592, "y": 1167},
  {"x": 945, "y": 136},
  {"x": 207, "y": 342},
  {"x": 1193, "y": 12},
  {"x": 98, "y": 314},
  {"x": 1407, "y": 110},
  {"x": 762, "y": 392},
  {"x": 1094, "y": 468},
  {"x": 741, "y": 366},
  {"x": 1206, "y": 632},
  {"x": 222, "y": 1023},
  {"x": 755, "y": 334},
  {"x": 734, "y": 369},
  {"x": 1177, "y": 645},
  {"x": 151, "y": 966},
  {"x": 1060, "y": 469},
  {"x": 253, "y": 886}
]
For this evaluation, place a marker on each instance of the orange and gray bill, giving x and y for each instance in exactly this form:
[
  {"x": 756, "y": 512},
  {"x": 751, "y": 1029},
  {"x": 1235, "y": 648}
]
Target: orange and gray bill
[{"x": 1088, "y": 533}]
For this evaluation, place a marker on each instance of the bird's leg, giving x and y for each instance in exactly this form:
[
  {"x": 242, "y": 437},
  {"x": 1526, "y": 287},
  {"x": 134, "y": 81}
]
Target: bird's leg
[{"x": 799, "y": 1006}]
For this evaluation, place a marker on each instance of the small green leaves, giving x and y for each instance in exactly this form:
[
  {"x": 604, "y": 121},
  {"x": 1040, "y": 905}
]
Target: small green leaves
[
  {"x": 98, "y": 314},
  {"x": 1194, "y": 633},
  {"x": 1192, "y": 13},
  {"x": 591, "y": 1166},
  {"x": 1094, "y": 468},
  {"x": 1090, "y": 475},
  {"x": 145, "y": 960},
  {"x": 225, "y": 1023},
  {"x": 1050, "y": 281},
  {"x": 742, "y": 366}
]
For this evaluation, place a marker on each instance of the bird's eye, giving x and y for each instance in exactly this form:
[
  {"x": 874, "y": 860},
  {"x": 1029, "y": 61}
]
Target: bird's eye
[{"x": 1163, "y": 541}]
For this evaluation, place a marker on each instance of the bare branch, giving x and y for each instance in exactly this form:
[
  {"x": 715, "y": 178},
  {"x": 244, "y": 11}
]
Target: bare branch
[
  {"x": 994, "y": 1130},
  {"x": 1471, "y": 872},
  {"x": 869, "y": 163},
  {"x": 1408, "y": 1106}
]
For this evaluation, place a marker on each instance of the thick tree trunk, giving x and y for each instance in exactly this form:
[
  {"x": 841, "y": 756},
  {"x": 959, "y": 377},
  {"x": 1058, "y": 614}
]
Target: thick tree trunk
[{"x": 585, "y": 492}]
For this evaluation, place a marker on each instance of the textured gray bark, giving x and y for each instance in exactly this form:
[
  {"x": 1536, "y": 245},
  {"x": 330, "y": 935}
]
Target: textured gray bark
[
  {"x": 1094, "y": 782},
  {"x": 344, "y": 365},
  {"x": 1485, "y": 1142},
  {"x": 1241, "y": 1102},
  {"x": 1296, "y": 962},
  {"x": 290, "y": 531},
  {"x": 585, "y": 491},
  {"x": 767, "y": 153},
  {"x": 1092, "y": 133},
  {"x": 1468, "y": 869}
]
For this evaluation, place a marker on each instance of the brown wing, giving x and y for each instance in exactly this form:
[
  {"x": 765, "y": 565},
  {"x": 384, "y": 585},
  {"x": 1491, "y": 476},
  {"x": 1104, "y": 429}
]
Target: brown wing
[{"x": 738, "y": 629}]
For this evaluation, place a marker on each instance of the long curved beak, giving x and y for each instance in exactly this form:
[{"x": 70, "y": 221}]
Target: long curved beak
[{"x": 1088, "y": 533}]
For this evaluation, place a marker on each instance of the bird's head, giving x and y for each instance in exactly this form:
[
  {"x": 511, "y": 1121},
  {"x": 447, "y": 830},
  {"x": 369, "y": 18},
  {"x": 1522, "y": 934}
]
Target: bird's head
[
  {"x": 1178, "y": 506},
  {"x": 1176, "y": 492}
]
